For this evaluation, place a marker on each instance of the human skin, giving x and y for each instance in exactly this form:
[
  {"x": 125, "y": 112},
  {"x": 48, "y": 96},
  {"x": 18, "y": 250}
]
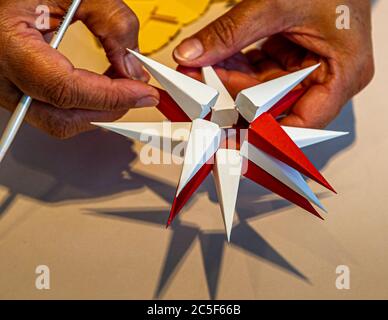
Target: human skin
[
  {"x": 67, "y": 99},
  {"x": 297, "y": 34}
]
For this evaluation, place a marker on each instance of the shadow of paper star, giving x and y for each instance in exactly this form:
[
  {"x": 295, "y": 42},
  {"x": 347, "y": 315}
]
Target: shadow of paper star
[
  {"x": 212, "y": 243},
  {"x": 54, "y": 169},
  {"x": 49, "y": 166}
]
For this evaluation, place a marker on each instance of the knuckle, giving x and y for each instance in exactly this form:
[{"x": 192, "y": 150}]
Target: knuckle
[
  {"x": 125, "y": 21},
  {"x": 369, "y": 70},
  {"x": 225, "y": 30},
  {"x": 316, "y": 123},
  {"x": 118, "y": 100},
  {"x": 61, "y": 93},
  {"x": 133, "y": 20},
  {"x": 111, "y": 102},
  {"x": 364, "y": 70}
]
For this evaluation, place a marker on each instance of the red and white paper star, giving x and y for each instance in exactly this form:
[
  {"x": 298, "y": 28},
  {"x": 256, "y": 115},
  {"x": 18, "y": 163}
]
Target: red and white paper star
[{"x": 233, "y": 138}]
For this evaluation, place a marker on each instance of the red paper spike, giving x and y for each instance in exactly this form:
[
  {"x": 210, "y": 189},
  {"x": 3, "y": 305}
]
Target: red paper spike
[
  {"x": 266, "y": 134},
  {"x": 286, "y": 103},
  {"x": 170, "y": 109},
  {"x": 189, "y": 189},
  {"x": 263, "y": 178}
]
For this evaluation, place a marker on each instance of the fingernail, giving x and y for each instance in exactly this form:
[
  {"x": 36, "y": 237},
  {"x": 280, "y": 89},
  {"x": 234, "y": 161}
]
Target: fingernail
[
  {"x": 135, "y": 69},
  {"x": 128, "y": 66},
  {"x": 189, "y": 50},
  {"x": 147, "y": 102},
  {"x": 145, "y": 77}
]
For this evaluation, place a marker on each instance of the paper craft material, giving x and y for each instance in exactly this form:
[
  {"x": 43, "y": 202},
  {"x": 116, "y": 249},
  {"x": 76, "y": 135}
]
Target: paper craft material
[{"x": 268, "y": 153}]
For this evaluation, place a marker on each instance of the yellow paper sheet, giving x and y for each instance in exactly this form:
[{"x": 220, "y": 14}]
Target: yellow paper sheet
[{"x": 161, "y": 20}]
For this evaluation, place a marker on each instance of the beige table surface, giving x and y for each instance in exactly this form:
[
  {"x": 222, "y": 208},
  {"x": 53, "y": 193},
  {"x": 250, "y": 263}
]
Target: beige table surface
[{"x": 89, "y": 210}]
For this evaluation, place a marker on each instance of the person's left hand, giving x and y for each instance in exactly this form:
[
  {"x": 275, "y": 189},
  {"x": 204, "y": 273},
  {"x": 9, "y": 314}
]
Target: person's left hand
[{"x": 66, "y": 98}]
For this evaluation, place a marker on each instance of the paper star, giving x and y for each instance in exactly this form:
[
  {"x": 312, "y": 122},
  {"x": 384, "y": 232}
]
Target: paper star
[{"x": 233, "y": 138}]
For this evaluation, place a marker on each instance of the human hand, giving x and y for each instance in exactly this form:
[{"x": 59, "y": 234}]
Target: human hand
[
  {"x": 68, "y": 99},
  {"x": 298, "y": 34}
]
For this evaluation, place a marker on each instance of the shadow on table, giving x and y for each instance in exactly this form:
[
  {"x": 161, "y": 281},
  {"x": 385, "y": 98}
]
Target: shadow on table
[{"x": 91, "y": 166}]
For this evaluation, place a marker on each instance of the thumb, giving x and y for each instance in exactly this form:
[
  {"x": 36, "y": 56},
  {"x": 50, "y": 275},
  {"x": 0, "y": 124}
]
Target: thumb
[{"x": 246, "y": 23}]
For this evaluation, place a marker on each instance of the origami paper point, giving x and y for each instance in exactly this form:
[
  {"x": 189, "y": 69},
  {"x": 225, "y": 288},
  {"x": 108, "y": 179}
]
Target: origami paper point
[
  {"x": 224, "y": 112},
  {"x": 307, "y": 137},
  {"x": 266, "y": 134},
  {"x": 203, "y": 143},
  {"x": 286, "y": 102},
  {"x": 279, "y": 170},
  {"x": 253, "y": 102},
  {"x": 141, "y": 131},
  {"x": 181, "y": 199},
  {"x": 195, "y": 98},
  {"x": 260, "y": 176},
  {"x": 170, "y": 109},
  {"x": 227, "y": 174},
  {"x": 268, "y": 154}
]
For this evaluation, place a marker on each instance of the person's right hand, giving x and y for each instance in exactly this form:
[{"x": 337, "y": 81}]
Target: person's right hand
[
  {"x": 68, "y": 99},
  {"x": 296, "y": 34}
]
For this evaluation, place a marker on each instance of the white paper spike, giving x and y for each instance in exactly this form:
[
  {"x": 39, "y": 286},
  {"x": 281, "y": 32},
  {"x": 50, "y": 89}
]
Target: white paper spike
[
  {"x": 202, "y": 140},
  {"x": 141, "y": 131},
  {"x": 227, "y": 173},
  {"x": 224, "y": 111},
  {"x": 203, "y": 143},
  {"x": 254, "y": 101},
  {"x": 225, "y": 100},
  {"x": 307, "y": 137},
  {"x": 279, "y": 170},
  {"x": 195, "y": 98}
]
